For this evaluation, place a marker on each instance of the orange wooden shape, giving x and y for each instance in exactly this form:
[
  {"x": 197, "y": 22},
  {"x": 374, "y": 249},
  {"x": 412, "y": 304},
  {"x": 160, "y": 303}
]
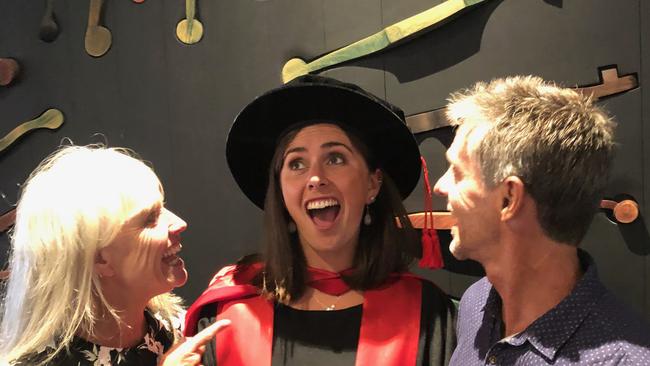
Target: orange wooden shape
[
  {"x": 442, "y": 220},
  {"x": 8, "y": 70}
]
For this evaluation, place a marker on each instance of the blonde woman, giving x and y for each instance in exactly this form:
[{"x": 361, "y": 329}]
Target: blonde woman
[{"x": 94, "y": 258}]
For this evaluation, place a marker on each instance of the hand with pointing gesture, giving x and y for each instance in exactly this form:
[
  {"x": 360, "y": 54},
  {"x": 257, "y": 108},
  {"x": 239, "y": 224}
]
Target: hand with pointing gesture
[{"x": 189, "y": 351}]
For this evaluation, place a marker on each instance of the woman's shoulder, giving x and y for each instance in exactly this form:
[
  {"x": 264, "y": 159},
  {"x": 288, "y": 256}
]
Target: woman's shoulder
[
  {"x": 158, "y": 339},
  {"x": 166, "y": 328}
]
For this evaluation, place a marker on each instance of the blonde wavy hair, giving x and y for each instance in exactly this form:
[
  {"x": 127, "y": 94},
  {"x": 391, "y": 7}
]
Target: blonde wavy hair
[{"x": 72, "y": 205}]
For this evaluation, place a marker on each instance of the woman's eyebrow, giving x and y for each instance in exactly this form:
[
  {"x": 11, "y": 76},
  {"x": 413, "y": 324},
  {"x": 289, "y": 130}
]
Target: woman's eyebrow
[
  {"x": 331, "y": 144},
  {"x": 294, "y": 149}
]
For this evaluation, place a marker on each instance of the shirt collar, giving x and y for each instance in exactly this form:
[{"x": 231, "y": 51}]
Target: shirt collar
[{"x": 552, "y": 330}]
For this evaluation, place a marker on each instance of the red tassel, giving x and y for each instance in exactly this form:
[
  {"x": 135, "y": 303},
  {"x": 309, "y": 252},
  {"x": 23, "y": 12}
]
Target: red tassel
[{"x": 431, "y": 255}]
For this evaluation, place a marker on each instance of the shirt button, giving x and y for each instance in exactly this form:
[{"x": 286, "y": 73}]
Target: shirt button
[{"x": 492, "y": 360}]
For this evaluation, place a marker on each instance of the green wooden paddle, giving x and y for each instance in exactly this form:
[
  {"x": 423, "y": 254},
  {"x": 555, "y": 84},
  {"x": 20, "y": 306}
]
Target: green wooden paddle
[
  {"x": 378, "y": 41},
  {"x": 51, "y": 118}
]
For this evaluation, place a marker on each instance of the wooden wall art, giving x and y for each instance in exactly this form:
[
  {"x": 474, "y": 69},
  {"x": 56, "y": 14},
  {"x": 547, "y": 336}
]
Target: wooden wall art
[
  {"x": 7, "y": 220},
  {"x": 51, "y": 119},
  {"x": 190, "y": 29},
  {"x": 388, "y": 36},
  {"x": 49, "y": 30},
  {"x": 623, "y": 212},
  {"x": 9, "y": 69},
  {"x": 98, "y": 38},
  {"x": 610, "y": 84}
]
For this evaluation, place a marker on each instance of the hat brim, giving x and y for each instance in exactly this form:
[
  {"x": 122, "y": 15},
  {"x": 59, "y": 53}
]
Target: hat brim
[{"x": 255, "y": 132}]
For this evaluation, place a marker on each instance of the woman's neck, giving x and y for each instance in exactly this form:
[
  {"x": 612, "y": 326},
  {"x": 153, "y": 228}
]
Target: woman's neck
[
  {"x": 328, "y": 260},
  {"x": 126, "y": 332},
  {"x": 317, "y": 301}
]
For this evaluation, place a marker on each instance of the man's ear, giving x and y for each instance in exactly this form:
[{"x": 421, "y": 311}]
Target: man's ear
[
  {"x": 103, "y": 266},
  {"x": 513, "y": 192},
  {"x": 376, "y": 180}
]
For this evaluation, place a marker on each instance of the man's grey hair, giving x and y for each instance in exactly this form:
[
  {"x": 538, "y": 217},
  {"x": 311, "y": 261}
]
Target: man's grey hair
[{"x": 554, "y": 139}]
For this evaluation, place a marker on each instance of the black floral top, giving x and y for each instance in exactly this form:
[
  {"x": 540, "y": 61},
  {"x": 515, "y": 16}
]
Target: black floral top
[{"x": 158, "y": 339}]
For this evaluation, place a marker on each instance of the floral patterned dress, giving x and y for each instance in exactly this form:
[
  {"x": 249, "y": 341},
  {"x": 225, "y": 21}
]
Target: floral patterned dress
[{"x": 158, "y": 339}]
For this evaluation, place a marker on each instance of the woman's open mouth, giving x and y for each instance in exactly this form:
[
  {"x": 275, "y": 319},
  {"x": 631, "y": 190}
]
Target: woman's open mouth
[
  {"x": 323, "y": 212},
  {"x": 170, "y": 258}
]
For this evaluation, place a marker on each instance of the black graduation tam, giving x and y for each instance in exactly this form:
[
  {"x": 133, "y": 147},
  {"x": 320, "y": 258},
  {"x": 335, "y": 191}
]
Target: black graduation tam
[{"x": 317, "y": 99}]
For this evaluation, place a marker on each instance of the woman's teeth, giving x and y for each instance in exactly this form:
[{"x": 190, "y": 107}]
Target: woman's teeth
[
  {"x": 172, "y": 251},
  {"x": 318, "y": 204}
]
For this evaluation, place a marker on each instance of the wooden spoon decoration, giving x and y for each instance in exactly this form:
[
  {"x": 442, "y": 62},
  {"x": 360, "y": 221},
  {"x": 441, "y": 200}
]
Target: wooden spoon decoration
[
  {"x": 9, "y": 69},
  {"x": 610, "y": 84},
  {"x": 189, "y": 30},
  {"x": 625, "y": 212},
  {"x": 386, "y": 37},
  {"x": 98, "y": 38},
  {"x": 7, "y": 220},
  {"x": 441, "y": 220},
  {"x": 49, "y": 30},
  {"x": 51, "y": 118}
]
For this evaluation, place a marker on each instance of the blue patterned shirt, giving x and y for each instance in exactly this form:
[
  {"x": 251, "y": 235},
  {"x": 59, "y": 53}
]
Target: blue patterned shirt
[{"x": 588, "y": 327}]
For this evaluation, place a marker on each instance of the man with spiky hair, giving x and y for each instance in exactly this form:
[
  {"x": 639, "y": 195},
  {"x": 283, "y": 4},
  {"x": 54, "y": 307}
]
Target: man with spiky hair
[{"x": 527, "y": 169}]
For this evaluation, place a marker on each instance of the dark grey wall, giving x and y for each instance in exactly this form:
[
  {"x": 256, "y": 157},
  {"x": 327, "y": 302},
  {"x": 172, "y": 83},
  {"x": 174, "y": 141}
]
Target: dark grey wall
[{"x": 174, "y": 103}]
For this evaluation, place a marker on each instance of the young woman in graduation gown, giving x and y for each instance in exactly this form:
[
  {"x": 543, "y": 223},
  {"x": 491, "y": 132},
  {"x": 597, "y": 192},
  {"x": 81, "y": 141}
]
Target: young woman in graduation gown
[{"x": 329, "y": 164}]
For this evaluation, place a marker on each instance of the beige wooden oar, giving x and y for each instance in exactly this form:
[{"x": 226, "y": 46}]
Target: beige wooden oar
[
  {"x": 51, "y": 118},
  {"x": 378, "y": 41},
  {"x": 98, "y": 38},
  {"x": 189, "y": 30}
]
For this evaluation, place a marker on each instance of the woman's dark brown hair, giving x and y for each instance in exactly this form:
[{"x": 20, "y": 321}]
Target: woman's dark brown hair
[{"x": 383, "y": 248}]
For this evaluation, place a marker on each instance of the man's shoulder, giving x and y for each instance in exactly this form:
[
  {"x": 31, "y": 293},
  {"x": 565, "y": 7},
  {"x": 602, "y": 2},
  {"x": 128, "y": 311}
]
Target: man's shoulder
[
  {"x": 477, "y": 293},
  {"x": 473, "y": 304},
  {"x": 618, "y": 319},
  {"x": 614, "y": 328}
]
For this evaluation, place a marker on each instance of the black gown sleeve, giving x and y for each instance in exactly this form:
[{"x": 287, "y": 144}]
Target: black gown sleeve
[
  {"x": 437, "y": 327},
  {"x": 208, "y": 316}
]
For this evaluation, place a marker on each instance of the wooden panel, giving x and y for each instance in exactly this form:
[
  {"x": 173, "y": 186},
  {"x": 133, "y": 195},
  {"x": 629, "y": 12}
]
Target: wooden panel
[{"x": 174, "y": 103}]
